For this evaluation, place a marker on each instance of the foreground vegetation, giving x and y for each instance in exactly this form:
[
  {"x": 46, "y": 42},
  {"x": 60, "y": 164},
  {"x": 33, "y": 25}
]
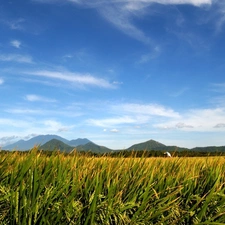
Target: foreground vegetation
[{"x": 76, "y": 189}]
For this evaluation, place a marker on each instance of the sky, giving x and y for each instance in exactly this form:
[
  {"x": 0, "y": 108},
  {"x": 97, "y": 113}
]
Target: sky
[{"x": 118, "y": 72}]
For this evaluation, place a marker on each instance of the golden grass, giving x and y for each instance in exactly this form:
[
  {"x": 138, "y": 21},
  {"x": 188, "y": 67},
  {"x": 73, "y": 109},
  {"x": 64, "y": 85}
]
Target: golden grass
[{"x": 37, "y": 189}]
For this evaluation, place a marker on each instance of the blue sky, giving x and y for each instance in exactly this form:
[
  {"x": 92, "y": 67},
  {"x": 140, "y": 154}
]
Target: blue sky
[{"x": 117, "y": 72}]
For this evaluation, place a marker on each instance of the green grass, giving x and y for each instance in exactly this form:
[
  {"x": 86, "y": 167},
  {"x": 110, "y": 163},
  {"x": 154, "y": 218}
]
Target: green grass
[{"x": 59, "y": 189}]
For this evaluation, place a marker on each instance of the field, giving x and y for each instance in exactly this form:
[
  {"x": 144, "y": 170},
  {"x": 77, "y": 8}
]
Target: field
[{"x": 75, "y": 189}]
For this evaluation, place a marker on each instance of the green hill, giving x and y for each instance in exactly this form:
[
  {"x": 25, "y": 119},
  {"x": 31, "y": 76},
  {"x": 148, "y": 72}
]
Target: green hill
[
  {"x": 90, "y": 146},
  {"x": 148, "y": 145},
  {"x": 55, "y": 144}
]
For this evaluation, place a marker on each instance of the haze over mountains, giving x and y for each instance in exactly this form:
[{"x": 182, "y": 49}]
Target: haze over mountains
[{"x": 52, "y": 142}]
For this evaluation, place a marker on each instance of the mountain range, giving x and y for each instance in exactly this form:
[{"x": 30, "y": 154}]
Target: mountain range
[
  {"x": 53, "y": 142},
  {"x": 43, "y": 139}
]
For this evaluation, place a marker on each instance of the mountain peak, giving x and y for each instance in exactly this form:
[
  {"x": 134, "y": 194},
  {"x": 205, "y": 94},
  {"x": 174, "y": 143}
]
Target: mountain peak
[
  {"x": 56, "y": 144},
  {"x": 147, "y": 145}
]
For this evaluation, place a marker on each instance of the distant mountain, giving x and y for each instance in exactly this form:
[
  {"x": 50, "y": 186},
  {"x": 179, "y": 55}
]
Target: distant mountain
[
  {"x": 154, "y": 145},
  {"x": 55, "y": 144},
  {"x": 40, "y": 140},
  {"x": 93, "y": 148},
  {"x": 51, "y": 142},
  {"x": 148, "y": 145},
  {"x": 78, "y": 141}
]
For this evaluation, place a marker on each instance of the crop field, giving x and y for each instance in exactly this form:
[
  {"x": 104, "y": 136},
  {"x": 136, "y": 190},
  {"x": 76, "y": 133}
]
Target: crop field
[{"x": 75, "y": 189}]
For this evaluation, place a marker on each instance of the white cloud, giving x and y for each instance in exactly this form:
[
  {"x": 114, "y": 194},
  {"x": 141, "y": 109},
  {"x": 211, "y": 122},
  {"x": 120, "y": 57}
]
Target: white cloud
[
  {"x": 15, "y": 43},
  {"x": 220, "y": 125},
  {"x": 133, "y": 114},
  {"x": 16, "y": 58},
  {"x": 44, "y": 112},
  {"x": 148, "y": 109},
  {"x": 177, "y": 2},
  {"x": 55, "y": 126},
  {"x": 203, "y": 120},
  {"x": 132, "y": 3},
  {"x": 183, "y": 125},
  {"x": 120, "y": 13},
  {"x": 1, "y": 81},
  {"x": 121, "y": 20},
  {"x": 13, "y": 123},
  {"x": 34, "y": 98},
  {"x": 78, "y": 78},
  {"x": 26, "y": 111},
  {"x": 139, "y": 4},
  {"x": 8, "y": 140},
  {"x": 109, "y": 122},
  {"x": 154, "y": 117},
  {"x": 114, "y": 130},
  {"x": 29, "y": 136},
  {"x": 219, "y": 15}
]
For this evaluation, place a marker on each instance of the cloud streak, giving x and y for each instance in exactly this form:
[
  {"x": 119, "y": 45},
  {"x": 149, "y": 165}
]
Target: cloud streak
[
  {"x": 120, "y": 13},
  {"x": 16, "y": 58},
  {"x": 35, "y": 98},
  {"x": 15, "y": 24},
  {"x": 147, "y": 109},
  {"x": 111, "y": 121},
  {"x": 133, "y": 114},
  {"x": 76, "y": 78}
]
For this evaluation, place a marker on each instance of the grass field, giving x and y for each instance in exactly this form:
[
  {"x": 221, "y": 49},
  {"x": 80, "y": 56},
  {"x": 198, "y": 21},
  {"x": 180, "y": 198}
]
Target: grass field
[{"x": 59, "y": 189}]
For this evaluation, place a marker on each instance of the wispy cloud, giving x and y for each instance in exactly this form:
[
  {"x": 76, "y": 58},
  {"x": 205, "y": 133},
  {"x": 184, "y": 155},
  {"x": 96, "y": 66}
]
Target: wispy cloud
[
  {"x": 218, "y": 87},
  {"x": 13, "y": 123},
  {"x": 15, "y": 43},
  {"x": 8, "y": 140},
  {"x": 121, "y": 13},
  {"x": 203, "y": 120},
  {"x": 109, "y": 122},
  {"x": 76, "y": 78},
  {"x": 16, "y": 58},
  {"x": 55, "y": 126},
  {"x": 120, "y": 18},
  {"x": 149, "y": 56},
  {"x": 159, "y": 117},
  {"x": 1, "y": 81},
  {"x": 34, "y": 98},
  {"x": 5, "y": 140},
  {"x": 114, "y": 130},
  {"x": 133, "y": 114},
  {"x": 148, "y": 109},
  {"x": 133, "y": 4},
  {"x": 179, "y": 92},
  {"x": 33, "y": 112},
  {"x": 219, "y": 15},
  {"x": 14, "y": 24},
  {"x": 26, "y": 111}
]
